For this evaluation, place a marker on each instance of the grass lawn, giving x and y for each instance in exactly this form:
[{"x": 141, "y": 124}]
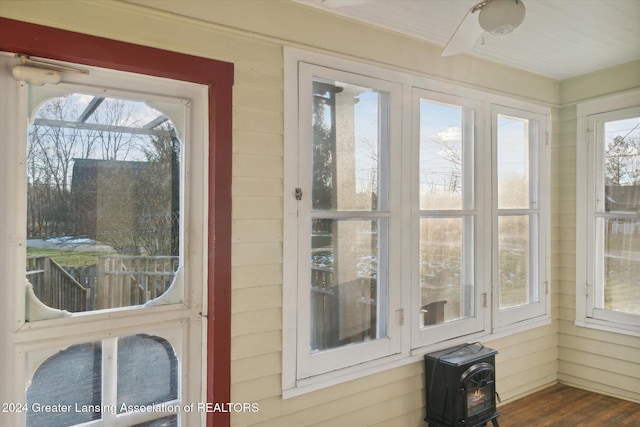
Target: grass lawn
[{"x": 68, "y": 258}]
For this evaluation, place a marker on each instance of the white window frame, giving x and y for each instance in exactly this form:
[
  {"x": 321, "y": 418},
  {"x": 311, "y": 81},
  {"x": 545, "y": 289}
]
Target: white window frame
[
  {"x": 474, "y": 169},
  {"x": 183, "y": 323},
  {"x": 590, "y": 116},
  {"x": 330, "y": 360},
  {"x": 414, "y": 341},
  {"x": 539, "y": 247}
]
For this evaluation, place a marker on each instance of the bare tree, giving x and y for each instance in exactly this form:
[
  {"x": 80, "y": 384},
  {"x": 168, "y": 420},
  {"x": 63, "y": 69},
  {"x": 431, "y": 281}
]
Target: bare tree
[
  {"x": 451, "y": 153},
  {"x": 115, "y": 145},
  {"x": 621, "y": 161},
  {"x": 50, "y": 154}
]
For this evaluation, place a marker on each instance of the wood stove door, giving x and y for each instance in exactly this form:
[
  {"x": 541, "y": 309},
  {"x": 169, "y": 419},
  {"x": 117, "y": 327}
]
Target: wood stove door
[{"x": 478, "y": 383}]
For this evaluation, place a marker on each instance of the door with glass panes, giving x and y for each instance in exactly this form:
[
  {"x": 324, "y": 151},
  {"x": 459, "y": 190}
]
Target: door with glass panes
[{"x": 103, "y": 312}]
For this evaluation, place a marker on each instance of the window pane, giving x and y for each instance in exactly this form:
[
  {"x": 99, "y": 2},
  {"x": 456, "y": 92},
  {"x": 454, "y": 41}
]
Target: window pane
[
  {"x": 446, "y": 270},
  {"x": 441, "y": 156},
  {"x": 347, "y": 296},
  {"x": 66, "y": 388},
  {"x": 622, "y": 265},
  {"x": 147, "y": 371},
  {"x": 514, "y": 262},
  {"x": 103, "y": 203},
  {"x": 622, "y": 165},
  {"x": 513, "y": 162},
  {"x": 348, "y": 126}
]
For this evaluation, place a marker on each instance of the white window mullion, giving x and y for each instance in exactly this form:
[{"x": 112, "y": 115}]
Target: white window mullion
[{"x": 110, "y": 377}]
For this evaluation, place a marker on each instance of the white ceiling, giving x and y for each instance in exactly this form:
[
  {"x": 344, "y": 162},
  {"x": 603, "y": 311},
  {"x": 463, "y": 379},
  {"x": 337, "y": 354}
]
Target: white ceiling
[{"x": 558, "y": 38}]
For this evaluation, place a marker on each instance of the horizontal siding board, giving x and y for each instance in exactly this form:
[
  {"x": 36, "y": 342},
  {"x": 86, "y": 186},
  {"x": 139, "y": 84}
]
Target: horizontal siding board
[
  {"x": 254, "y": 120},
  {"x": 257, "y": 186},
  {"x": 570, "y": 328},
  {"x": 258, "y": 143},
  {"x": 610, "y": 388},
  {"x": 269, "y": 414},
  {"x": 380, "y": 408},
  {"x": 352, "y": 388},
  {"x": 604, "y": 348},
  {"x": 257, "y": 207},
  {"x": 256, "y": 322},
  {"x": 259, "y": 77},
  {"x": 280, "y": 421},
  {"x": 258, "y": 97},
  {"x": 528, "y": 384},
  {"x": 597, "y": 377},
  {"x": 256, "y": 389},
  {"x": 368, "y": 405},
  {"x": 256, "y": 230},
  {"x": 248, "y": 253},
  {"x": 254, "y": 299},
  {"x": 255, "y": 165},
  {"x": 243, "y": 346},
  {"x": 613, "y": 362},
  {"x": 525, "y": 361},
  {"x": 256, "y": 367},
  {"x": 256, "y": 275}
]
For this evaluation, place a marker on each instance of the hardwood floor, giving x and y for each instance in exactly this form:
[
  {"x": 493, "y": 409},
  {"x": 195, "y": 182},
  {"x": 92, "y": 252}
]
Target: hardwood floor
[{"x": 564, "y": 406}]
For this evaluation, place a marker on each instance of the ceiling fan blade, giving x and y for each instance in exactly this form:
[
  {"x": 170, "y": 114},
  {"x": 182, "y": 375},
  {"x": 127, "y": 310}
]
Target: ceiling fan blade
[{"x": 465, "y": 36}]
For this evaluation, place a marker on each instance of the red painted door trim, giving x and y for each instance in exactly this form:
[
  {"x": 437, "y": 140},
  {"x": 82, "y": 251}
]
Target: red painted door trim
[{"x": 47, "y": 42}]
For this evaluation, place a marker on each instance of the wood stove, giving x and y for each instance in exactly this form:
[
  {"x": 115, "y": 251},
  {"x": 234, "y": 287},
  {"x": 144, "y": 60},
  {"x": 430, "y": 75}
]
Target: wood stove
[{"x": 460, "y": 386}]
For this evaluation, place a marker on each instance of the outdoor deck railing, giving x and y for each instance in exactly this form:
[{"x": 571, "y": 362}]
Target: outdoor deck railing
[
  {"x": 127, "y": 280},
  {"x": 54, "y": 286},
  {"x": 116, "y": 281}
]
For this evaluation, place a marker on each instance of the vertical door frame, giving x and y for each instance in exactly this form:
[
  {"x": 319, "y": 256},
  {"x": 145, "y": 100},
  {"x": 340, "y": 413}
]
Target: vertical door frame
[{"x": 48, "y": 42}]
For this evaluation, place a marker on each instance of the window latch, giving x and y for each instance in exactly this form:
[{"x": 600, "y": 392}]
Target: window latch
[{"x": 298, "y": 193}]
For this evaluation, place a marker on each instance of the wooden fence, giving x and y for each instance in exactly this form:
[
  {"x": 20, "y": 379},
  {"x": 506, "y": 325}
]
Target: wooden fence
[
  {"x": 56, "y": 287},
  {"x": 124, "y": 281},
  {"x": 116, "y": 281}
]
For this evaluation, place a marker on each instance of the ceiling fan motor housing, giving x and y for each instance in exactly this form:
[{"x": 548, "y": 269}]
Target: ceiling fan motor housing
[{"x": 500, "y": 17}]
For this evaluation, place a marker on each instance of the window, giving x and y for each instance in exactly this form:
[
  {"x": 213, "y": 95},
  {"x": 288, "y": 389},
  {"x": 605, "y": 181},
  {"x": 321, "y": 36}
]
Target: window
[
  {"x": 609, "y": 215},
  {"x": 447, "y": 129},
  {"x": 416, "y": 215},
  {"x": 519, "y": 243},
  {"x": 345, "y": 240}
]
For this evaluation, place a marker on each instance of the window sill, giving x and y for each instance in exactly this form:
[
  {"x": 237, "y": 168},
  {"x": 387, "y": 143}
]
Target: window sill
[
  {"x": 609, "y": 326},
  {"x": 329, "y": 379}
]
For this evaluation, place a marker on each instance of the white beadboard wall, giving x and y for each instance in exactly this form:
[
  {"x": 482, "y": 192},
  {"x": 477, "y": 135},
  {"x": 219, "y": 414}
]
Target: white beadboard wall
[{"x": 252, "y": 34}]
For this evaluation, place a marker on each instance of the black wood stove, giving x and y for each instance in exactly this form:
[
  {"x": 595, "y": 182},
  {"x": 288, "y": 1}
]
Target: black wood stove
[{"x": 460, "y": 386}]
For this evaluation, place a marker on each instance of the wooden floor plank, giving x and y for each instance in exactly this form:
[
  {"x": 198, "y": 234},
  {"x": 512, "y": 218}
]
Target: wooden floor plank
[{"x": 564, "y": 406}]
